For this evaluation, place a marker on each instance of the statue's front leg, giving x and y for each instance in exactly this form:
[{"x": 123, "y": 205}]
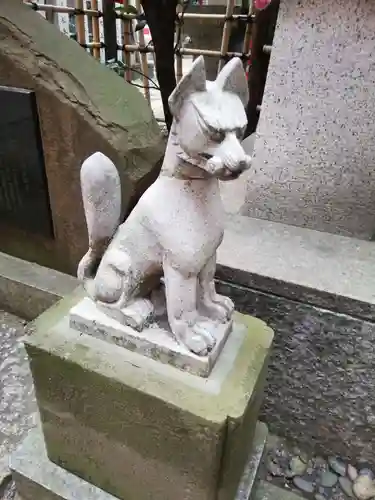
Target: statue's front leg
[
  {"x": 183, "y": 317},
  {"x": 215, "y": 306}
]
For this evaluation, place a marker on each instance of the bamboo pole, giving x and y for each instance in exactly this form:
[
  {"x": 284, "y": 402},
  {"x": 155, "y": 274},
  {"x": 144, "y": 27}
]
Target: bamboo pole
[
  {"x": 61, "y": 10},
  {"x": 129, "y": 48},
  {"x": 267, "y": 49},
  {"x": 50, "y": 16},
  {"x": 127, "y": 25},
  {"x": 94, "y": 13},
  {"x": 249, "y": 29},
  {"x": 144, "y": 64},
  {"x": 178, "y": 55},
  {"x": 226, "y": 31},
  {"x": 195, "y": 15},
  {"x": 95, "y": 29},
  {"x": 190, "y": 52},
  {"x": 80, "y": 23}
]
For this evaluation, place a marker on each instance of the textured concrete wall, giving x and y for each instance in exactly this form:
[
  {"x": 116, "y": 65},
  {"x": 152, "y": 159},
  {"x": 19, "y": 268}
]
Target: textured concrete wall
[
  {"x": 321, "y": 377},
  {"x": 315, "y": 150}
]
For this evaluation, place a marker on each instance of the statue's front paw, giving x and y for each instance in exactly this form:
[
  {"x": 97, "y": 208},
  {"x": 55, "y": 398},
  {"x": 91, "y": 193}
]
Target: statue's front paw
[
  {"x": 217, "y": 312},
  {"x": 199, "y": 339},
  {"x": 220, "y": 309},
  {"x": 226, "y": 303}
]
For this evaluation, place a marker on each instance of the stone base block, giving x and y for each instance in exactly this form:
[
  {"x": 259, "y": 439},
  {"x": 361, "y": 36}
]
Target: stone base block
[
  {"x": 37, "y": 478},
  {"x": 155, "y": 341},
  {"x": 140, "y": 429}
]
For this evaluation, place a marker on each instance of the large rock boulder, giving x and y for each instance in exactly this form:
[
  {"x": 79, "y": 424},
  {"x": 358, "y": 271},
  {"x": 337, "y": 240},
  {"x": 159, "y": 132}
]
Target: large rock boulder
[{"x": 82, "y": 107}]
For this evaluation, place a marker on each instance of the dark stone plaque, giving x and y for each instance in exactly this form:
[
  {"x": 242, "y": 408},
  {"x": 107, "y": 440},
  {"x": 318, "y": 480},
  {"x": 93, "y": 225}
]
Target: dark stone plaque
[{"x": 24, "y": 199}]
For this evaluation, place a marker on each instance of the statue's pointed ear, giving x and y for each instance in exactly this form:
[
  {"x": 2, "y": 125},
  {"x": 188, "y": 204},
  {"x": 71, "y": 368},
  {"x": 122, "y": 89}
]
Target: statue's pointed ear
[
  {"x": 194, "y": 81},
  {"x": 232, "y": 78}
]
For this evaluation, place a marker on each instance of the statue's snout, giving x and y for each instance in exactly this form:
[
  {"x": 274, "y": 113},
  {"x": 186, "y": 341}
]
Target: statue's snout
[{"x": 244, "y": 164}]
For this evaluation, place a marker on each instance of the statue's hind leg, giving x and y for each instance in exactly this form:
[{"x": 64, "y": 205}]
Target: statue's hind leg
[{"x": 114, "y": 290}]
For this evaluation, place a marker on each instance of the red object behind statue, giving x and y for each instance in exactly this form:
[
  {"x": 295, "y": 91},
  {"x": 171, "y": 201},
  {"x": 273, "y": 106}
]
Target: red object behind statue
[{"x": 261, "y": 4}]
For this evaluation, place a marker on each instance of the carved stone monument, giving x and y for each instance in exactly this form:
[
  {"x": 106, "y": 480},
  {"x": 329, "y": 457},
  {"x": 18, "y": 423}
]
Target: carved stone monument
[
  {"x": 148, "y": 383},
  {"x": 314, "y": 152}
]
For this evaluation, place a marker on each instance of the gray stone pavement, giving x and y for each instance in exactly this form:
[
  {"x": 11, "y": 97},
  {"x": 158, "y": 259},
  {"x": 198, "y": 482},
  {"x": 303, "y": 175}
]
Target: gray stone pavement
[{"x": 18, "y": 412}]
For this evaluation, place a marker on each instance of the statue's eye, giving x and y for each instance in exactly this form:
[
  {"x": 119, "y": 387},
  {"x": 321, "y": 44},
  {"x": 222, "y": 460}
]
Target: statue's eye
[{"x": 217, "y": 135}]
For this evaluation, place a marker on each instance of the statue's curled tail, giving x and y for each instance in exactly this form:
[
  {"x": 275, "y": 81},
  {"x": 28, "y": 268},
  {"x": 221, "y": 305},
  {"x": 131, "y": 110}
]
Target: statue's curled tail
[{"x": 101, "y": 195}]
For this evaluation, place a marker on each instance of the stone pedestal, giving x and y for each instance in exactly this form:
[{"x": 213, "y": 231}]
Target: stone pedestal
[
  {"x": 139, "y": 429},
  {"x": 315, "y": 149}
]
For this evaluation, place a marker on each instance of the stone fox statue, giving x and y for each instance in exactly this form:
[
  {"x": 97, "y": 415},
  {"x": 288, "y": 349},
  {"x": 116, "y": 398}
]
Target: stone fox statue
[{"x": 176, "y": 227}]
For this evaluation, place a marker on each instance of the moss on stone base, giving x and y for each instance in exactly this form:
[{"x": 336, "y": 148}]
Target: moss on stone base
[{"x": 142, "y": 430}]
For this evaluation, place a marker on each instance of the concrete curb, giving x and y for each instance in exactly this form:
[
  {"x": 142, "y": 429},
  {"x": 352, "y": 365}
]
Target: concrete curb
[
  {"x": 27, "y": 289},
  {"x": 320, "y": 269},
  {"x": 311, "y": 267}
]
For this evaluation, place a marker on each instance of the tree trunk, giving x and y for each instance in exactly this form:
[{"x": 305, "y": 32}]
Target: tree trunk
[
  {"x": 263, "y": 33},
  {"x": 161, "y": 18}
]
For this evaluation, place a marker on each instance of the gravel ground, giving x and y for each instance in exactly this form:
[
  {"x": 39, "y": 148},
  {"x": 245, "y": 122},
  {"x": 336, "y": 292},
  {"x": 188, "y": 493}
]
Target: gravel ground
[
  {"x": 17, "y": 401},
  {"x": 313, "y": 477},
  {"x": 316, "y": 477}
]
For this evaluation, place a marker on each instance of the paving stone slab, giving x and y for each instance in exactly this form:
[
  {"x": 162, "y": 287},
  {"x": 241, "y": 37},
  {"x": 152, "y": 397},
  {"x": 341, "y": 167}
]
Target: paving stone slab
[{"x": 37, "y": 477}]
